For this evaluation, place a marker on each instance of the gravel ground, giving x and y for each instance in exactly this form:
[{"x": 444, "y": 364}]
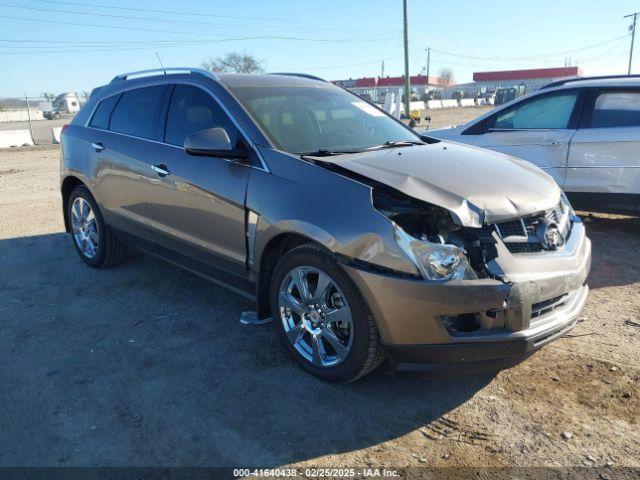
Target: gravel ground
[
  {"x": 147, "y": 365},
  {"x": 451, "y": 116}
]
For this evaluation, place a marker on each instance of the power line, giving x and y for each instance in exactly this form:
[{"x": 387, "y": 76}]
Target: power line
[
  {"x": 496, "y": 58},
  {"x": 31, "y": 43},
  {"x": 122, "y": 46},
  {"x": 88, "y": 42},
  {"x": 107, "y": 48},
  {"x": 600, "y": 56},
  {"x": 138, "y": 29},
  {"x": 167, "y": 20},
  {"x": 169, "y": 12},
  {"x": 469, "y": 64}
]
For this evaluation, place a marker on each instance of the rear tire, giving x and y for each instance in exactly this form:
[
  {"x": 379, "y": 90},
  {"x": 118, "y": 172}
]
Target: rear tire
[
  {"x": 94, "y": 241},
  {"x": 359, "y": 351}
]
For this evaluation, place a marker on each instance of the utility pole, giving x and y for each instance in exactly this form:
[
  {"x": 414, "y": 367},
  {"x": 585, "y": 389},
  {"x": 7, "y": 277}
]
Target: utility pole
[
  {"x": 29, "y": 116},
  {"x": 428, "y": 63},
  {"x": 633, "y": 37},
  {"x": 382, "y": 70},
  {"x": 407, "y": 79}
]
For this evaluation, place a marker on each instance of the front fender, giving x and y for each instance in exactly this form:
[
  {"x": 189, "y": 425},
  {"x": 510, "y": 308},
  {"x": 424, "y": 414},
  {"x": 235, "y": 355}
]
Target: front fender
[{"x": 333, "y": 210}]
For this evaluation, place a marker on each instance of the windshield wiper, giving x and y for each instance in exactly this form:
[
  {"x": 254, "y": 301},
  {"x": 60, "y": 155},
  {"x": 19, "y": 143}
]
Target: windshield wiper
[
  {"x": 323, "y": 152},
  {"x": 401, "y": 143}
]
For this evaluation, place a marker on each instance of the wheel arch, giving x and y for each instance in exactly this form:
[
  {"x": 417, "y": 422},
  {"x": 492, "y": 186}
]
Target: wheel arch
[
  {"x": 69, "y": 184},
  {"x": 275, "y": 248}
]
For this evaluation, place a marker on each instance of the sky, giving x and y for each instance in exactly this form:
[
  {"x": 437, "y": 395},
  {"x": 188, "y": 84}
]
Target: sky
[{"x": 75, "y": 45}]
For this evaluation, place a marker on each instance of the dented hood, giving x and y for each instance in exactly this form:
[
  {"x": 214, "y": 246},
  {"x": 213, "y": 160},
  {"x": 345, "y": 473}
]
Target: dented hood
[{"x": 477, "y": 185}]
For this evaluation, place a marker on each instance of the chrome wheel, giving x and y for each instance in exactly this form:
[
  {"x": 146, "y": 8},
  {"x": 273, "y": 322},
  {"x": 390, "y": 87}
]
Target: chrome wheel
[
  {"x": 316, "y": 316},
  {"x": 84, "y": 227}
]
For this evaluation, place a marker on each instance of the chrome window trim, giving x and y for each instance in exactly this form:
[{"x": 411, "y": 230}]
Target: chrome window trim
[
  {"x": 207, "y": 90},
  {"x": 175, "y": 146}
]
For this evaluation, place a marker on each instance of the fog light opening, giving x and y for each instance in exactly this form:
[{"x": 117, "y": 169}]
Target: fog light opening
[{"x": 464, "y": 323}]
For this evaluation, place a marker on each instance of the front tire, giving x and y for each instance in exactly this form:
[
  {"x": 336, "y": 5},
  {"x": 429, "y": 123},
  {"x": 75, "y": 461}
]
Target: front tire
[
  {"x": 95, "y": 243},
  {"x": 323, "y": 321}
]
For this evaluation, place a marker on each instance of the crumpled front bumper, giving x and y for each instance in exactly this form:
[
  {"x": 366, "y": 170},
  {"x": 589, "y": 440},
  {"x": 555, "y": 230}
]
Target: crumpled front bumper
[{"x": 409, "y": 313}]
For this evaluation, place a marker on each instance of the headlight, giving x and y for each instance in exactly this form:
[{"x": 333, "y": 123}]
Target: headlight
[
  {"x": 435, "y": 261},
  {"x": 567, "y": 205}
]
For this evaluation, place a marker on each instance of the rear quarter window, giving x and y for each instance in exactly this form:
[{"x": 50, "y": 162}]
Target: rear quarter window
[
  {"x": 102, "y": 114},
  {"x": 616, "y": 109}
]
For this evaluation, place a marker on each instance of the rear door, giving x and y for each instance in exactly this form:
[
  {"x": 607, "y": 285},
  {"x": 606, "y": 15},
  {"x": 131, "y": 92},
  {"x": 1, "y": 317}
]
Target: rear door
[
  {"x": 124, "y": 145},
  {"x": 604, "y": 158},
  {"x": 537, "y": 129}
]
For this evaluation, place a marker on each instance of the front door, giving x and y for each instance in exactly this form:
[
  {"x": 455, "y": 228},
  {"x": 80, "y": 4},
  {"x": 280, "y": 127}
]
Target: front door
[
  {"x": 538, "y": 130},
  {"x": 197, "y": 204}
]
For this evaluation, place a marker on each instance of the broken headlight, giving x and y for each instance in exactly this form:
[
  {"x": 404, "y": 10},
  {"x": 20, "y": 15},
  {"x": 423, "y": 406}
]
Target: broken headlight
[
  {"x": 566, "y": 205},
  {"x": 435, "y": 261}
]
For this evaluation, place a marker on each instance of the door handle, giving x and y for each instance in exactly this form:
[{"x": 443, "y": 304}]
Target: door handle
[
  {"x": 550, "y": 143},
  {"x": 98, "y": 146},
  {"x": 161, "y": 169}
]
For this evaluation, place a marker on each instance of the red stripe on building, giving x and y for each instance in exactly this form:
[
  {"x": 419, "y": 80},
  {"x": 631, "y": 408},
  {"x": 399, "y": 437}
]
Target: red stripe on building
[
  {"x": 366, "y": 82},
  {"x": 399, "y": 81},
  {"x": 527, "y": 74}
]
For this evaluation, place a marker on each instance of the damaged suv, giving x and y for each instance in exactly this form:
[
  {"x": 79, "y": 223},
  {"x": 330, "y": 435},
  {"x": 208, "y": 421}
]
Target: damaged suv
[{"x": 361, "y": 239}]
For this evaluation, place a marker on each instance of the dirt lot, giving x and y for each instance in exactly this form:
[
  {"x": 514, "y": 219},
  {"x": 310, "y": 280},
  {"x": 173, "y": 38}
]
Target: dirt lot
[
  {"x": 146, "y": 364},
  {"x": 451, "y": 116}
]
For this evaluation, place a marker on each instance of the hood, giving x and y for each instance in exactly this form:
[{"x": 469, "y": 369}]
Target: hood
[{"x": 477, "y": 185}]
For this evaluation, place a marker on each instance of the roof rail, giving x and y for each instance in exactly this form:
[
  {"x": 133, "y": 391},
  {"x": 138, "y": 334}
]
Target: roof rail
[
  {"x": 162, "y": 71},
  {"x": 301, "y": 75},
  {"x": 577, "y": 79}
]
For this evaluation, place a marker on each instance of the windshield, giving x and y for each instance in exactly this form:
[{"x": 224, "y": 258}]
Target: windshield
[{"x": 310, "y": 119}]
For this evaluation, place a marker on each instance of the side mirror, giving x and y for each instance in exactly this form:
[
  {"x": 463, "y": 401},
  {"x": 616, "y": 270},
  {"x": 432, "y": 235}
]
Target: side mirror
[{"x": 213, "y": 142}]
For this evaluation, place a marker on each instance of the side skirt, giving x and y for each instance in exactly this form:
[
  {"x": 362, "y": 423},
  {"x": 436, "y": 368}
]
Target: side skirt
[{"x": 236, "y": 284}]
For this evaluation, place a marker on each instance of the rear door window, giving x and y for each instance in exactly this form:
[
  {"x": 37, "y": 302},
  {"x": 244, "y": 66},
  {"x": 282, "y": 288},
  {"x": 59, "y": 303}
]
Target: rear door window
[
  {"x": 192, "y": 110},
  {"x": 137, "y": 112},
  {"x": 546, "y": 112},
  {"x": 103, "y": 113},
  {"x": 616, "y": 109}
]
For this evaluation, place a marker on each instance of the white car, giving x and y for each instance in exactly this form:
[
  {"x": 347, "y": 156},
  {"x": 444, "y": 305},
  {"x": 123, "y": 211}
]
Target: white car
[{"x": 584, "y": 132}]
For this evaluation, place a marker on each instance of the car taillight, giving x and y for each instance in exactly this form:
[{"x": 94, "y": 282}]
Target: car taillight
[{"x": 64, "y": 127}]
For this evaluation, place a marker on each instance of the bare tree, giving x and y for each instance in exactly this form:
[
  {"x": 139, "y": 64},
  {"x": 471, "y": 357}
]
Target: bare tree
[
  {"x": 233, "y": 62},
  {"x": 445, "y": 76},
  {"x": 48, "y": 96}
]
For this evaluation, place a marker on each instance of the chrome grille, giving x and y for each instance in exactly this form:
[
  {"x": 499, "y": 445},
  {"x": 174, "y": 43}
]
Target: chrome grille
[{"x": 521, "y": 235}]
